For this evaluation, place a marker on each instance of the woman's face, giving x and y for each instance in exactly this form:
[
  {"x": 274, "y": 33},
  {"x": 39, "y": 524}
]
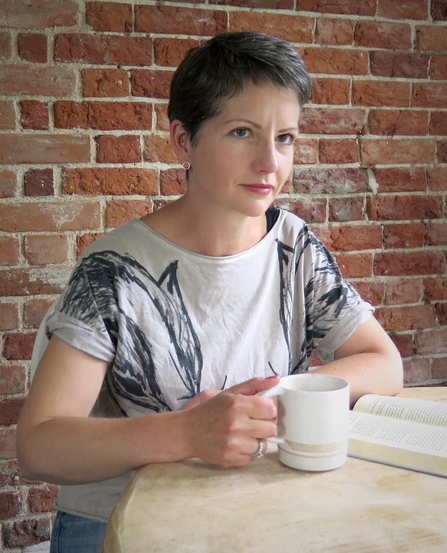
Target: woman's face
[{"x": 245, "y": 154}]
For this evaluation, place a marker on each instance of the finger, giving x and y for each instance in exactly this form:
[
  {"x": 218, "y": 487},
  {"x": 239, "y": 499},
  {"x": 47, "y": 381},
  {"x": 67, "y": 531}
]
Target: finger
[{"x": 255, "y": 385}]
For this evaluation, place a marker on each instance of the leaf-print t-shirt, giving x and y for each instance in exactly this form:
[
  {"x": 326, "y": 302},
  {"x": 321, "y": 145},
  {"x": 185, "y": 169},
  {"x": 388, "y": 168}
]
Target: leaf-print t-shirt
[{"x": 172, "y": 323}]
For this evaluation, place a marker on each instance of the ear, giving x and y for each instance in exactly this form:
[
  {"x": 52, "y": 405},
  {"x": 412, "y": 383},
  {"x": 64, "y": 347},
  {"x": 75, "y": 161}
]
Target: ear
[{"x": 180, "y": 141}]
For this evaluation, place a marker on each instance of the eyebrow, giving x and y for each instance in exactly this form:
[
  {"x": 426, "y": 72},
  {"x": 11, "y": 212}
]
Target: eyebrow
[{"x": 288, "y": 129}]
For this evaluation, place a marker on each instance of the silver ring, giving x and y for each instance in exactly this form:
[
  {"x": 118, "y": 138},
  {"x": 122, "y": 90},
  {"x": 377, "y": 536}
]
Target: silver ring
[{"x": 258, "y": 453}]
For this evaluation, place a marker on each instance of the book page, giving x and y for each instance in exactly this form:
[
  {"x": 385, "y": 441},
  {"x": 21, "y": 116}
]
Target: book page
[
  {"x": 389, "y": 431},
  {"x": 418, "y": 410}
]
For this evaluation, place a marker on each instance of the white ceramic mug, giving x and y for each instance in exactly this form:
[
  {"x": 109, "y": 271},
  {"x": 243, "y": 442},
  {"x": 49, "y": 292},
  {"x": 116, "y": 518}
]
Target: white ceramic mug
[{"x": 313, "y": 418}]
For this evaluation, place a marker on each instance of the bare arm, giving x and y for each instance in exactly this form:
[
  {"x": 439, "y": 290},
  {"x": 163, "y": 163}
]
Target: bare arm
[
  {"x": 58, "y": 442},
  {"x": 369, "y": 361}
]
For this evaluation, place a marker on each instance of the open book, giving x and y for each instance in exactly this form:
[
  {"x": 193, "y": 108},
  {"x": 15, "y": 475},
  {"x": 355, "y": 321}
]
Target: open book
[{"x": 408, "y": 433}]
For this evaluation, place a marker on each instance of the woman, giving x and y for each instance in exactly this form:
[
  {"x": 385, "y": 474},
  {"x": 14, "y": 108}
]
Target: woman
[{"x": 171, "y": 324}]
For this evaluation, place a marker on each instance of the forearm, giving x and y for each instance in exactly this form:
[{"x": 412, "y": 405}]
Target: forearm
[{"x": 75, "y": 450}]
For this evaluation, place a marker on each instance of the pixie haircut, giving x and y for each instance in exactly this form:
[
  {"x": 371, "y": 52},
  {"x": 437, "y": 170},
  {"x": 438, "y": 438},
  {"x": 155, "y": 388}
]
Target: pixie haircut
[{"x": 219, "y": 69}]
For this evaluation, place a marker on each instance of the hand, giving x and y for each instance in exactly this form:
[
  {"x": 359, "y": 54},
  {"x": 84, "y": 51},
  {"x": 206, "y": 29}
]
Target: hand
[{"x": 224, "y": 426}]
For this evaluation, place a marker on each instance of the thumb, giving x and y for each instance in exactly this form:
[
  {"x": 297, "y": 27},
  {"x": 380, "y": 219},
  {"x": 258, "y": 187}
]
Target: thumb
[{"x": 253, "y": 386}]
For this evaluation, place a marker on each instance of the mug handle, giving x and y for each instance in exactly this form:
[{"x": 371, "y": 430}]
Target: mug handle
[{"x": 275, "y": 391}]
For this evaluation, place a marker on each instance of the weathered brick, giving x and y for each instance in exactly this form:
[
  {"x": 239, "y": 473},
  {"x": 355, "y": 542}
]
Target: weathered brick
[
  {"x": 46, "y": 249},
  {"x": 7, "y": 443},
  {"x": 391, "y": 208},
  {"x": 431, "y": 95},
  {"x": 35, "y": 310},
  {"x": 34, "y": 115},
  {"x": 335, "y": 31},
  {"x": 351, "y": 238},
  {"x": 410, "y": 317},
  {"x": 259, "y": 4},
  {"x": 441, "y": 151},
  {"x": 305, "y": 151},
  {"x": 39, "y": 182},
  {"x": 105, "y": 82},
  {"x": 44, "y": 148},
  {"x": 8, "y": 183},
  {"x": 119, "y": 212},
  {"x": 441, "y": 313},
  {"x": 409, "y": 263},
  {"x": 12, "y": 381},
  {"x": 416, "y": 370},
  {"x": 392, "y": 122},
  {"x": 310, "y": 210},
  {"x": 399, "y": 64},
  {"x": 25, "y": 533},
  {"x": 10, "y": 409},
  {"x": 172, "y": 182},
  {"x": 174, "y": 20},
  {"x": 404, "y": 343},
  {"x": 439, "y": 368},
  {"x": 33, "y": 15},
  {"x": 103, "y": 49},
  {"x": 97, "y": 181},
  {"x": 108, "y": 16},
  {"x": 162, "y": 202},
  {"x": 169, "y": 52},
  {"x": 389, "y": 151},
  {"x": 288, "y": 27},
  {"x": 5, "y": 45},
  {"x": 118, "y": 149},
  {"x": 439, "y": 10},
  {"x": 7, "y": 115},
  {"x": 381, "y": 93},
  {"x": 346, "y": 209},
  {"x": 33, "y": 47},
  {"x": 158, "y": 148},
  {"x": 103, "y": 115},
  {"x": 338, "y": 150},
  {"x": 431, "y": 37},
  {"x": 34, "y": 280},
  {"x": 9, "y": 250},
  {"x": 396, "y": 179},
  {"x": 404, "y": 9},
  {"x": 371, "y": 291},
  {"x": 435, "y": 289},
  {"x": 382, "y": 34},
  {"x": 42, "y": 499},
  {"x": 150, "y": 83},
  {"x": 355, "y": 265},
  {"x": 438, "y": 123},
  {"x": 400, "y": 291},
  {"x": 11, "y": 504},
  {"x": 42, "y": 81},
  {"x": 18, "y": 345},
  {"x": 405, "y": 235},
  {"x": 334, "y": 61},
  {"x": 347, "y": 7},
  {"x": 330, "y": 90},
  {"x": 431, "y": 342},
  {"x": 9, "y": 316},
  {"x": 438, "y": 67},
  {"x": 84, "y": 241},
  {"x": 162, "y": 119},
  {"x": 332, "y": 121},
  {"x": 436, "y": 234},
  {"x": 316, "y": 180},
  {"x": 50, "y": 216}
]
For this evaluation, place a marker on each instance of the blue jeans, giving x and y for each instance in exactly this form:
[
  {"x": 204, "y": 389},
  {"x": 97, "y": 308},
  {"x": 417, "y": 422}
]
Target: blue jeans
[{"x": 73, "y": 534}]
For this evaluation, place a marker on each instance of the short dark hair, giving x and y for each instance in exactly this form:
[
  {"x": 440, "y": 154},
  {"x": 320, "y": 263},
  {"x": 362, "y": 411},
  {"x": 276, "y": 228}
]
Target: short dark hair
[{"x": 217, "y": 70}]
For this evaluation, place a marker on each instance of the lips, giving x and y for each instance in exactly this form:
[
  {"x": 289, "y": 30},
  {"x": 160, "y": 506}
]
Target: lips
[{"x": 262, "y": 189}]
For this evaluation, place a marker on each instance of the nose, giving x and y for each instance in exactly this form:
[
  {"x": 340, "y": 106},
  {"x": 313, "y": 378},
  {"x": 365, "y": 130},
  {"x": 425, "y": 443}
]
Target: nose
[{"x": 266, "y": 160}]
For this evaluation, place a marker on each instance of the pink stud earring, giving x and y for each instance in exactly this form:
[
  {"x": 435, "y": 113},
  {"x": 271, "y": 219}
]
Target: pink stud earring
[{"x": 186, "y": 165}]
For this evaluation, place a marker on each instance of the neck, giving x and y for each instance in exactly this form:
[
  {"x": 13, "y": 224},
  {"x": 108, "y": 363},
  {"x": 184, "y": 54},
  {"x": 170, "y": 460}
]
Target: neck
[{"x": 209, "y": 232}]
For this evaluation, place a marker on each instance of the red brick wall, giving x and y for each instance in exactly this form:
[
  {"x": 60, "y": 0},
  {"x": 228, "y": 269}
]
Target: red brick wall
[{"x": 84, "y": 147}]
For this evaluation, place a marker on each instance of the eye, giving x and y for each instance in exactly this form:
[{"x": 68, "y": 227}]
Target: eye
[
  {"x": 286, "y": 138},
  {"x": 241, "y": 132}
]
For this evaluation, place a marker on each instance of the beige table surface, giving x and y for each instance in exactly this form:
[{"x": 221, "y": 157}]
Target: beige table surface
[{"x": 362, "y": 507}]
